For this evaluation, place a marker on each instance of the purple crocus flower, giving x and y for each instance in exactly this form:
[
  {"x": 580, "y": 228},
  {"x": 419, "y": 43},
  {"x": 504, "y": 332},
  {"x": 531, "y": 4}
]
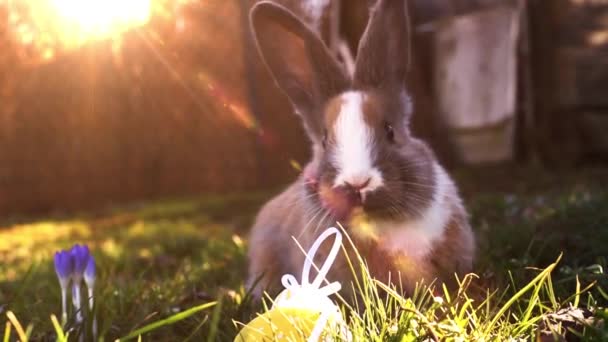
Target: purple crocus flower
[
  {"x": 72, "y": 267},
  {"x": 89, "y": 279},
  {"x": 89, "y": 272},
  {"x": 64, "y": 267},
  {"x": 81, "y": 255}
]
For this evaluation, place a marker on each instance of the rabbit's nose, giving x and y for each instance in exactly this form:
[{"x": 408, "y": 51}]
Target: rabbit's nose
[
  {"x": 353, "y": 190},
  {"x": 358, "y": 185}
]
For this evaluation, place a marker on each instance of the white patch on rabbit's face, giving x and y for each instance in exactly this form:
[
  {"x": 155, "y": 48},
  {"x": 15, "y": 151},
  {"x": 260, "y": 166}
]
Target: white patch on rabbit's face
[{"x": 353, "y": 154}]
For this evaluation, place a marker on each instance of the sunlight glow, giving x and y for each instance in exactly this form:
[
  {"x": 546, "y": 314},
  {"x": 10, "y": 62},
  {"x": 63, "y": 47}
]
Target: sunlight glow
[{"x": 101, "y": 18}]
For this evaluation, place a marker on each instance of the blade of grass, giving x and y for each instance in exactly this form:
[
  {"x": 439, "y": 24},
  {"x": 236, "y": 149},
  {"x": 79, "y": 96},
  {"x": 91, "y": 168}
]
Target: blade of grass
[
  {"x": 198, "y": 327},
  {"x": 28, "y": 330},
  {"x": 577, "y": 298},
  {"x": 532, "y": 303},
  {"x": 146, "y": 319},
  {"x": 215, "y": 321},
  {"x": 7, "y": 332},
  {"x": 535, "y": 302},
  {"x": 550, "y": 291},
  {"x": 167, "y": 321},
  {"x": 538, "y": 279},
  {"x": 60, "y": 334},
  {"x": 423, "y": 319},
  {"x": 18, "y": 328}
]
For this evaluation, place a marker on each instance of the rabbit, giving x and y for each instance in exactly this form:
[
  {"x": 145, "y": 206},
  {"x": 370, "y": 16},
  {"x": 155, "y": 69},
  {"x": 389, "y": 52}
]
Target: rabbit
[{"x": 396, "y": 202}]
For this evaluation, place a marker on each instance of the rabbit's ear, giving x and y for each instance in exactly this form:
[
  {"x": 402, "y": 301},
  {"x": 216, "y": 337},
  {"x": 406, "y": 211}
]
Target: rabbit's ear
[
  {"x": 299, "y": 62},
  {"x": 383, "y": 57}
]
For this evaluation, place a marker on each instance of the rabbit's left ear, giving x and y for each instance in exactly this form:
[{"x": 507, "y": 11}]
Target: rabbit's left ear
[
  {"x": 300, "y": 63},
  {"x": 383, "y": 57}
]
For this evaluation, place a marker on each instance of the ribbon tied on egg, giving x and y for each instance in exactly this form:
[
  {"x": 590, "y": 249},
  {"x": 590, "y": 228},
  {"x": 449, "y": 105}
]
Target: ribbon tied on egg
[{"x": 303, "y": 312}]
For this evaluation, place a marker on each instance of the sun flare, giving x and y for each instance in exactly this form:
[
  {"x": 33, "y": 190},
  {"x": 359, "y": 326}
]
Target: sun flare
[{"x": 100, "y": 18}]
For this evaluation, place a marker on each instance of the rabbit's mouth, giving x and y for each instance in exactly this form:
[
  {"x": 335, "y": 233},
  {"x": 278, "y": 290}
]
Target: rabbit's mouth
[
  {"x": 340, "y": 202},
  {"x": 343, "y": 204}
]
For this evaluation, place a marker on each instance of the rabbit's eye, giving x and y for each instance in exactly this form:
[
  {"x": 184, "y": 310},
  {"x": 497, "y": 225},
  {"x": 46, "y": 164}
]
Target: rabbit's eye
[{"x": 390, "y": 133}]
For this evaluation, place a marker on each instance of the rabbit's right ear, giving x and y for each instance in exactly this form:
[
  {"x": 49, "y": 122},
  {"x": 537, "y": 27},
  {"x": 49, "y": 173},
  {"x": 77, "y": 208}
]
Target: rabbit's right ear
[
  {"x": 299, "y": 62},
  {"x": 383, "y": 57}
]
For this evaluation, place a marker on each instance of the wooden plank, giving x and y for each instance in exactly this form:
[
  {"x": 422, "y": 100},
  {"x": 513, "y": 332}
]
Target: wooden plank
[{"x": 476, "y": 81}]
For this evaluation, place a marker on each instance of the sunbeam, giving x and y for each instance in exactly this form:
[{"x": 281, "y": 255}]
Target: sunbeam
[{"x": 100, "y": 18}]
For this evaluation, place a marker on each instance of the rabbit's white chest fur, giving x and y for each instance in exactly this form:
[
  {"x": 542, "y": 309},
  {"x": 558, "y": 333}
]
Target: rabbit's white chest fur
[{"x": 416, "y": 239}]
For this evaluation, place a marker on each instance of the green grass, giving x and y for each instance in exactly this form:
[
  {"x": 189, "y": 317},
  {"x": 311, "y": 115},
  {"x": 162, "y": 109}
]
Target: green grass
[{"x": 173, "y": 270}]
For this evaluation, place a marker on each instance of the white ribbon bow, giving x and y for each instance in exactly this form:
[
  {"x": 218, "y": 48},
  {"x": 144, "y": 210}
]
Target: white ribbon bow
[{"x": 311, "y": 295}]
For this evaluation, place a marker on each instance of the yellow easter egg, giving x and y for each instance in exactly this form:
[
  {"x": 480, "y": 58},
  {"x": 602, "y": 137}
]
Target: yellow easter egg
[
  {"x": 280, "y": 324},
  {"x": 302, "y": 312}
]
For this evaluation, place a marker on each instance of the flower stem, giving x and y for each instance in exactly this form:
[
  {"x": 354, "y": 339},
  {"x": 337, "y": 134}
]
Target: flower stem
[
  {"x": 91, "y": 303},
  {"x": 76, "y": 301},
  {"x": 64, "y": 304}
]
